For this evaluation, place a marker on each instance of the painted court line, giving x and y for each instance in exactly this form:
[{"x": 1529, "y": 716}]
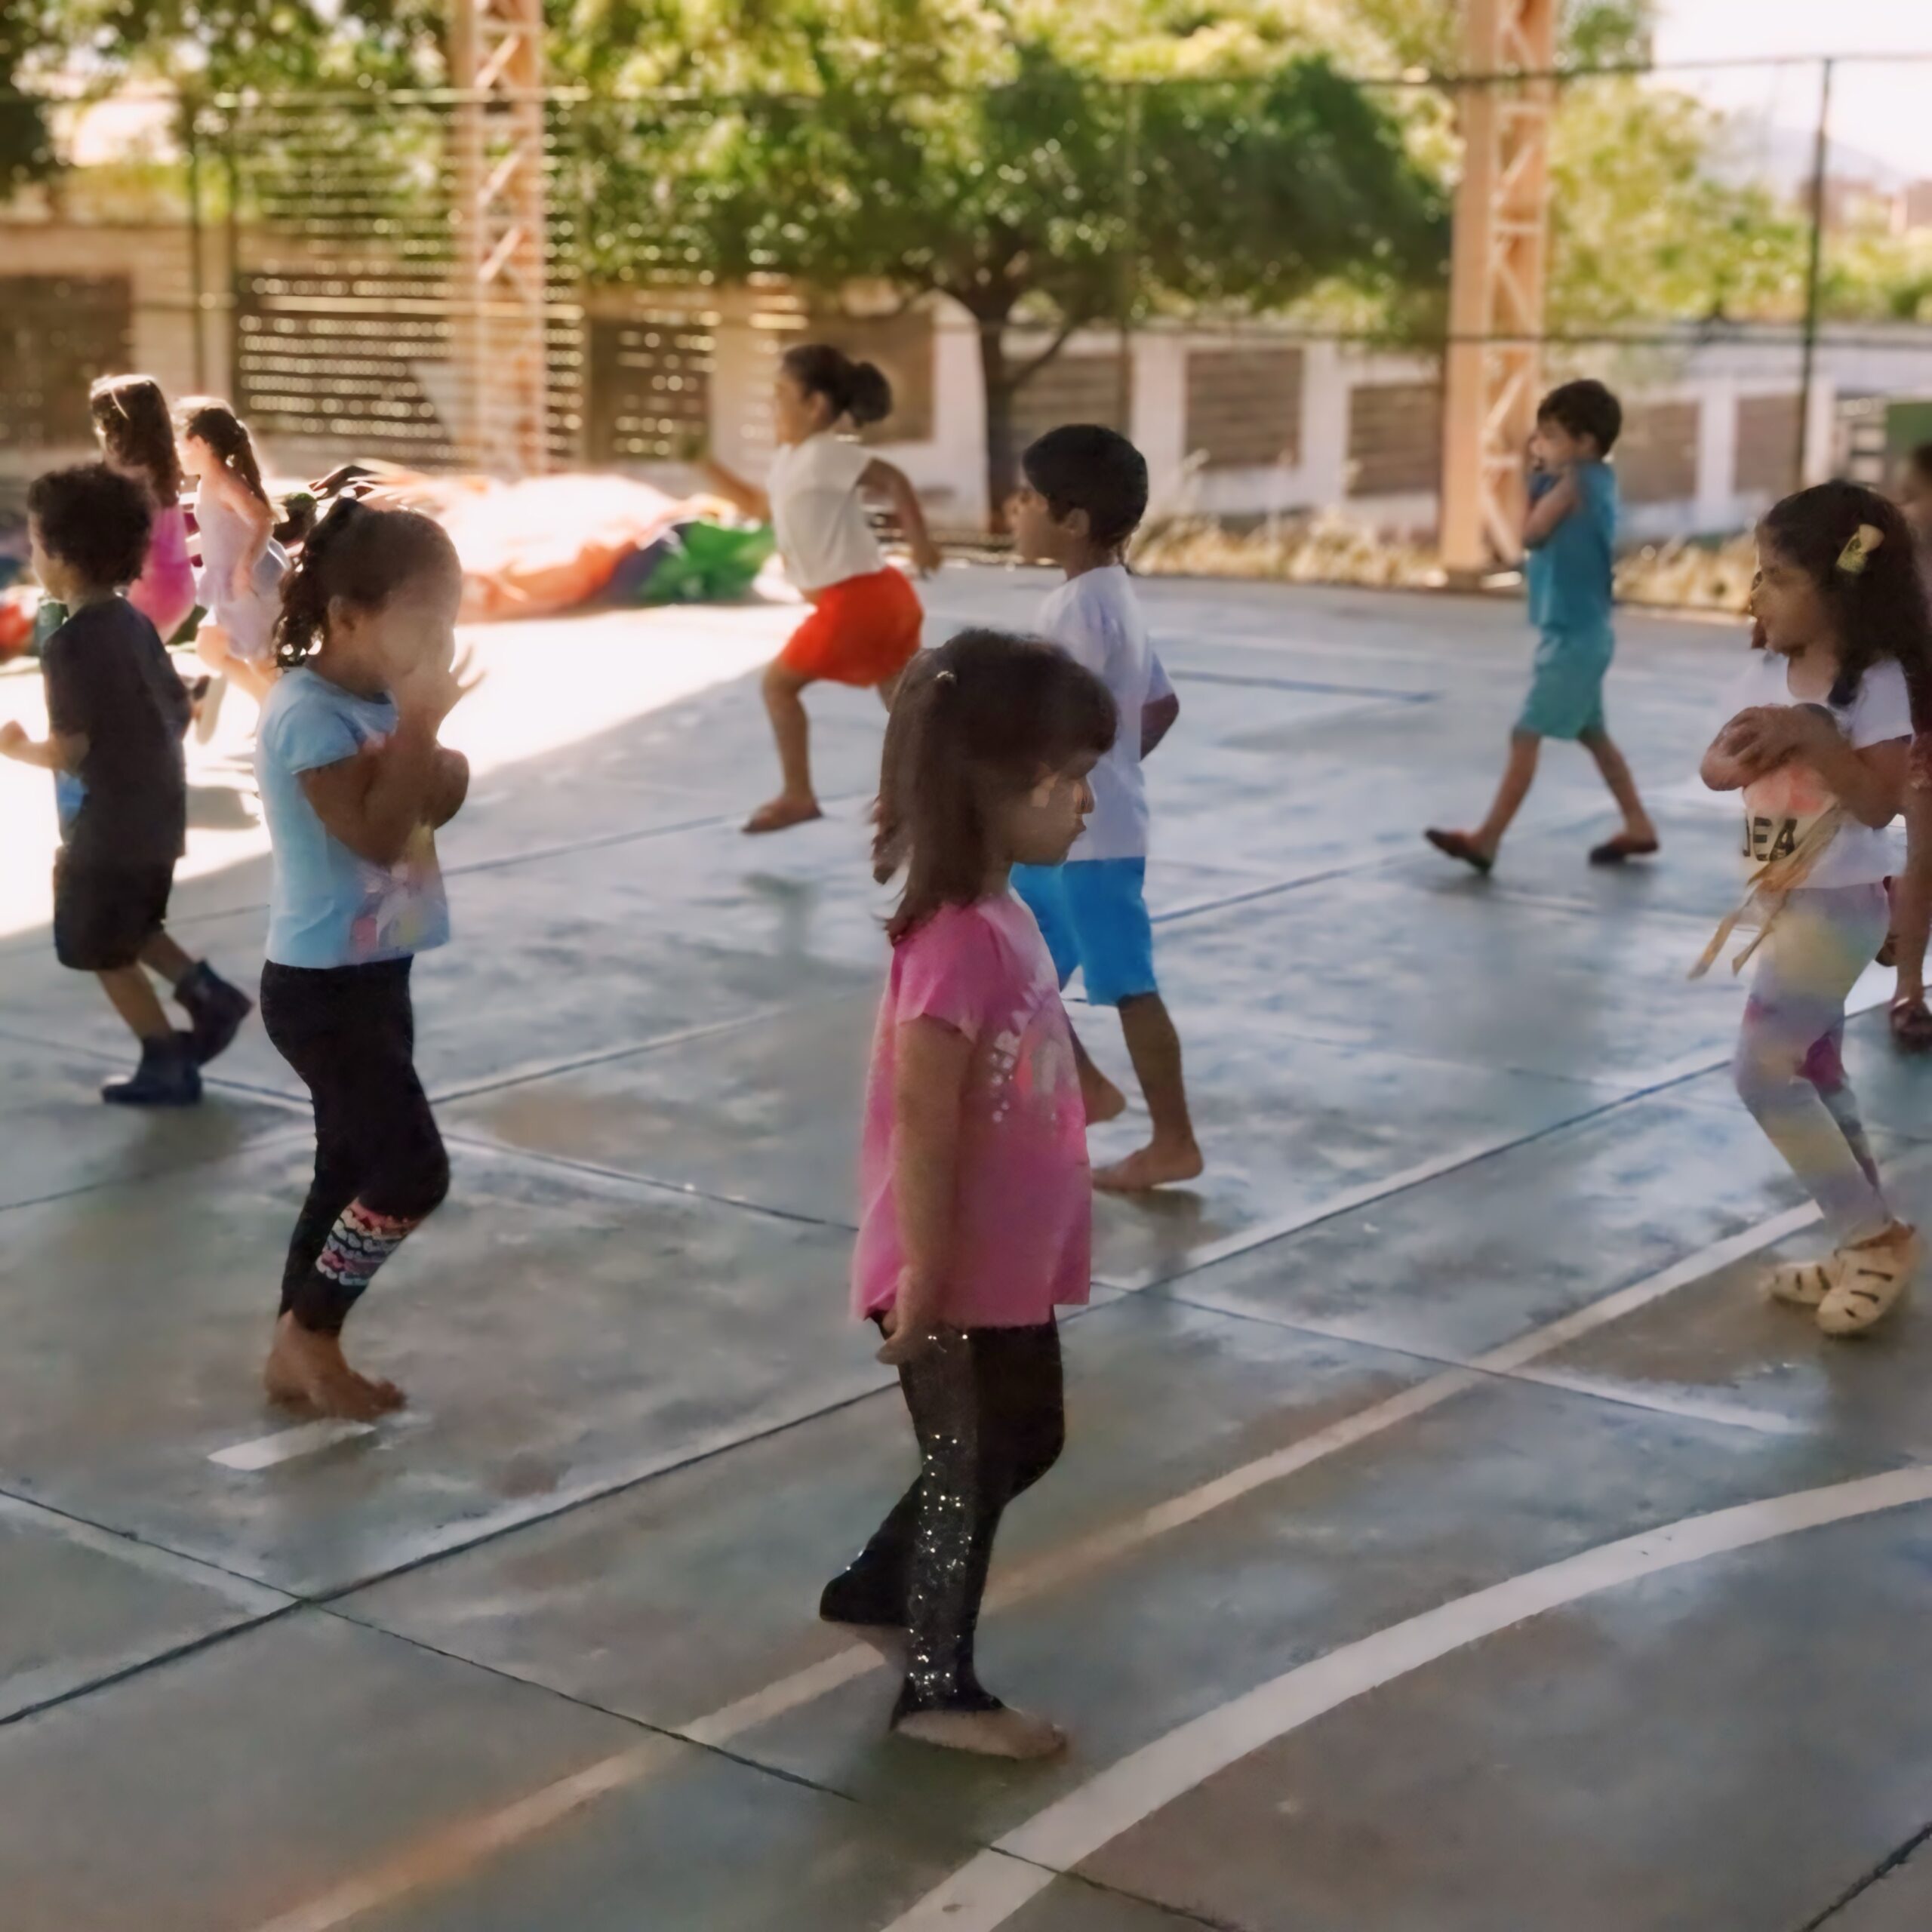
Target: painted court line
[
  {"x": 309, "y": 1438},
  {"x": 499, "y": 1830},
  {"x": 985, "y": 1893},
  {"x": 461, "y": 1847}
]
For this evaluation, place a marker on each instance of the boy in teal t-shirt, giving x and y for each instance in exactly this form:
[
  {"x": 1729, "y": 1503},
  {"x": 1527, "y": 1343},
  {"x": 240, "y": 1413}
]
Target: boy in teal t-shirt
[{"x": 1570, "y": 536}]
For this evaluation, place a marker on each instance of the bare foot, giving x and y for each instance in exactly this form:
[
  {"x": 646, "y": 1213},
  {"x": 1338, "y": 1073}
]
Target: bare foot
[
  {"x": 781, "y": 813},
  {"x": 1000, "y": 1734},
  {"x": 306, "y": 1367},
  {"x": 1155, "y": 1165},
  {"x": 1102, "y": 1099}
]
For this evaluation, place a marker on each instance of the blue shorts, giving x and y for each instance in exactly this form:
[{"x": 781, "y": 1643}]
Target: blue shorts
[
  {"x": 1566, "y": 688},
  {"x": 1092, "y": 914}
]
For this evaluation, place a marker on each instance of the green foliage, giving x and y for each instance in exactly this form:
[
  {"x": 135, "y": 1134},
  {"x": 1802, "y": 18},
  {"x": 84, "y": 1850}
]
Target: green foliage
[{"x": 1641, "y": 228}]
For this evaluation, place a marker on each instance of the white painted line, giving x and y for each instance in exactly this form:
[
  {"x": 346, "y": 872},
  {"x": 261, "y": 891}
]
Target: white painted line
[
  {"x": 985, "y": 1893},
  {"x": 491, "y": 1834},
  {"x": 305, "y": 1438}
]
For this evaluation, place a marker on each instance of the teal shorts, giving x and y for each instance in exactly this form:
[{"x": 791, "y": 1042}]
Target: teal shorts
[
  {"x": 1566, "y": 687},
  {"x": 1093, "y": 914}
]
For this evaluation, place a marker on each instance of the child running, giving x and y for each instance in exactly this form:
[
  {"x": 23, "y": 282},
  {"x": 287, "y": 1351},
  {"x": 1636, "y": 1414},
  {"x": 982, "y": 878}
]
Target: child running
[
  {"x": 1085, "y": 494},
  {"x": 976, "y": 1213},
  {"x": 1570, "y": 537},
  {"x": 137, "y": 439},
  {"x": 864, "y": 626},
  {"x": 242, "y": 566},
  {"x": 353, "y": 782},
  {"x": 1818, "y": 747},
  {"x": 116, "y": 712}
]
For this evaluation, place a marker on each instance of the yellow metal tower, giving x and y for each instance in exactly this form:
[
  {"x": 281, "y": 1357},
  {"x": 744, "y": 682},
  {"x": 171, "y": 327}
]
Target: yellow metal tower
[
  {"x": 500, "y": 270},
  {"x": 1496, "y": 290}
]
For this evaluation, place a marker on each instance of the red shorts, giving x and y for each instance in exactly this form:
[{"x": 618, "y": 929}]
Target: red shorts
[{"x": 864, "y": 631}]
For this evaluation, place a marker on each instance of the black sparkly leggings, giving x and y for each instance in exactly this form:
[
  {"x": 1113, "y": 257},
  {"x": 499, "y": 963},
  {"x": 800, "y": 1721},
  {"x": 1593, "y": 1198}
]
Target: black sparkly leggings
[{"x": 986, "y": 1405}]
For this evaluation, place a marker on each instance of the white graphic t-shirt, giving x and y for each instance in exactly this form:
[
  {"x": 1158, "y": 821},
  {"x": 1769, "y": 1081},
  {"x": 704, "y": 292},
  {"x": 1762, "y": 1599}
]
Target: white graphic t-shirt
[{"x": 1780, "y": 807}]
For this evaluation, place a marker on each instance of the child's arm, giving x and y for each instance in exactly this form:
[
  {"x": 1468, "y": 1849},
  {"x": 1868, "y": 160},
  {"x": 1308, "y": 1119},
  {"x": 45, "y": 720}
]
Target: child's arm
[
  {"x": 449, "y": 787},
  {"x": 886, "y": 480},
  {"x": 930, "y": 1087},
  {"x": 374, "y": 801},
  {"x": 736, "y": 491},
  {"x": 1157, "y": 720},
  {"x": 1723, "y": 768},
  {"x": 1549, "y": 510},
  {"x": 1868, "y": 780},
  {"x": 52, "y": 753},
  {"x": 255, "y": 514}
]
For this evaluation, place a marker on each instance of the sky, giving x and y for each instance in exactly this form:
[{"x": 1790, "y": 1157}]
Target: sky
[{"x": 1880, "y": 107}]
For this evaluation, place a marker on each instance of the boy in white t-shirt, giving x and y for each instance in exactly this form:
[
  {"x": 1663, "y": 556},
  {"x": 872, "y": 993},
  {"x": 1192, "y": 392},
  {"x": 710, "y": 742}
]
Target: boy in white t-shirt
[
  {"x": 1817, "y": 745},
  {"x": 1085, "y": 492}
]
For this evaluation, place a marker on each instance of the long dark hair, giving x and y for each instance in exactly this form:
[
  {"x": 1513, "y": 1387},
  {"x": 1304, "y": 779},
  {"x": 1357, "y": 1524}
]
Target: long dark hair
[
  {"x": 1873, "y": 593},
  {"x": 363, "y": 555},
  {"x": 982, "y": 717},
  {"x": 131, "y": 417},
  {"x": 216, "y": 425},
  {"x": 857, "y": 390}
]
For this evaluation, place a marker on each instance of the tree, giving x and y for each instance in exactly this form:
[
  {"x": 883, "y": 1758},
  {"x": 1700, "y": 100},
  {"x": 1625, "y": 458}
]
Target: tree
[{"x": 1046, "y": 190}]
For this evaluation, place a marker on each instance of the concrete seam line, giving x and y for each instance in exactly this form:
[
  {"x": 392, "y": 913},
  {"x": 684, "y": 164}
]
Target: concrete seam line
[{"x": 718, "y": 1727}]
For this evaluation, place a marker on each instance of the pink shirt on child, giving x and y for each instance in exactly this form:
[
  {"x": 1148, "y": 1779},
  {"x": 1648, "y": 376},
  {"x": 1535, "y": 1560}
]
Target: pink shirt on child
[
  {"x": 1022, "y": 1230},
  {"x": 164, "y": 593}
]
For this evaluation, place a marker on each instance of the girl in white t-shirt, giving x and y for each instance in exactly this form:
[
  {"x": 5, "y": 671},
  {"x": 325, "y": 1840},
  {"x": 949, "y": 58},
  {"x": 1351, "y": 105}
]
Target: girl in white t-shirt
[
  {"x": 1818, "y": 745},
  {"x": 865, "y": 622}
]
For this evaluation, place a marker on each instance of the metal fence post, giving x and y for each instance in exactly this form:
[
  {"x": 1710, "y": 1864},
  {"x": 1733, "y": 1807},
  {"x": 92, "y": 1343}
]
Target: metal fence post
[{"x": 1814, "y": 274}]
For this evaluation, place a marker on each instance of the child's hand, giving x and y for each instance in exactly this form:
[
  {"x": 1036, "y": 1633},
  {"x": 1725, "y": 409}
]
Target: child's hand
[
  {"x": 910, "y": 1326},
  {"x": 13, "y": 735},
  {"x": 431, "y": 690}
]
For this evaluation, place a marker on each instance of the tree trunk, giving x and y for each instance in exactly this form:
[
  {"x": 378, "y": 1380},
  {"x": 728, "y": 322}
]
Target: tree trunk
[{"x": 1002, "y": 454}]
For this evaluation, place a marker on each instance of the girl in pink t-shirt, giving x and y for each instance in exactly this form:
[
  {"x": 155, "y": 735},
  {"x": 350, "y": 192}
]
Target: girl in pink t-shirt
[
  {"x": 976, "y": 1216},
  {"x": 131, "y": 417}
]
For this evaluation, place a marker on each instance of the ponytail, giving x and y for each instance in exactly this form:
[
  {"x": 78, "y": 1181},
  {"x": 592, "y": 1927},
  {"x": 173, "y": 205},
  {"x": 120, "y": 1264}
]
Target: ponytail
[
  {"x": 859, "y": 390},
  {"x": 363, "y": 556},
  {"x": 979, "y": 719},
  {"x": 216, "y": 425}
]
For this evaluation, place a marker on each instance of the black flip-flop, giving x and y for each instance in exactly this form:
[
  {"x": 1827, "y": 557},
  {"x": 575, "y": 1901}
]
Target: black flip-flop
[
  {"x": 1614, "y": 851},
  {"x": 1459, "y": 845}
]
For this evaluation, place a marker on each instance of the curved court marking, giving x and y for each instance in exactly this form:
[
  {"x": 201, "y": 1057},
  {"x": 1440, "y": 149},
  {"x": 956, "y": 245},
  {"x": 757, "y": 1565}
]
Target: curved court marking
[
  {"x": 985, "y": 1893},
  {"x": 446, "y": 1854}
]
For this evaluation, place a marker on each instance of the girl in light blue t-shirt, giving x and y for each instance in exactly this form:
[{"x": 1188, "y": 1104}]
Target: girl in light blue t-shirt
[{"x": 353, "y": 784}]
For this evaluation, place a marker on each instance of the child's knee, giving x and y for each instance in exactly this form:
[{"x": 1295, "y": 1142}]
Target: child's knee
[
  {"x": 1041, "y": 1452},
  {"x": 421, "y": 1183},
  {"x": 1761, "y": 1069}
]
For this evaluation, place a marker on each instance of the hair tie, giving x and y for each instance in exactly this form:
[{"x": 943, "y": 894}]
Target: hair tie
[
  {"x": 946, "y": 677},
  {"x": 1858, "y": 549}
]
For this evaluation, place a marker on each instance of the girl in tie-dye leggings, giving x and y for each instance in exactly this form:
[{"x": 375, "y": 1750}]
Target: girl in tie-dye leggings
[{"x": 1818, "y": 744}]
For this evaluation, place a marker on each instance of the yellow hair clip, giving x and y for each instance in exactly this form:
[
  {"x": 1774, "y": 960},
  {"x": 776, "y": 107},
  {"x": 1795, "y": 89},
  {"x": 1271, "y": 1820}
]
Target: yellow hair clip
[{"x": 1858, "y": 548}]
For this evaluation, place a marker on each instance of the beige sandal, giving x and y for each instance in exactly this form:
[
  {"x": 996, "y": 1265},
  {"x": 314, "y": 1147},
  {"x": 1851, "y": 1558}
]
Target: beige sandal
[
  {"x": 1869, "y": 1282},
  {"x": 1803, "y": 1284}
]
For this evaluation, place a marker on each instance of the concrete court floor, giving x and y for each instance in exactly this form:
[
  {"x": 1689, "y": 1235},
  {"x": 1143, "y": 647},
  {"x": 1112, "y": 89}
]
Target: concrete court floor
[{"x": 1448, "y": 1541}]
